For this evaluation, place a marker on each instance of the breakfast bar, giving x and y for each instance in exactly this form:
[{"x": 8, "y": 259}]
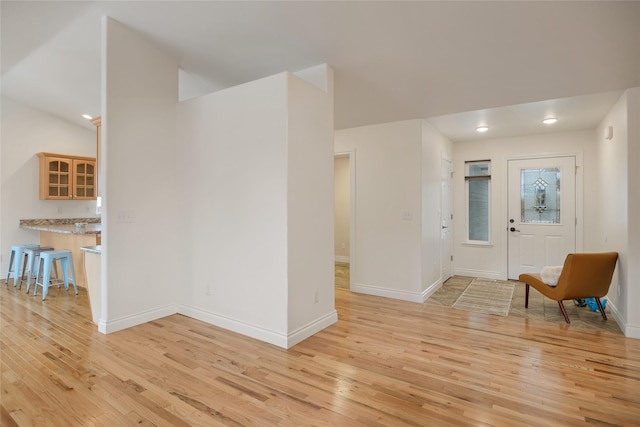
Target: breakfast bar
[
  {"x": 93, "y": 266},
  {"x": 70, "y": 234}
]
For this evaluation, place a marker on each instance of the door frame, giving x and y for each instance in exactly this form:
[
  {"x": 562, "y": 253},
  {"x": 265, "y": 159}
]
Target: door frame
[
  {"x": 351, "y": 154},
  {"x": 579, "y": 199},
  {"x": 450, "y": 196}
]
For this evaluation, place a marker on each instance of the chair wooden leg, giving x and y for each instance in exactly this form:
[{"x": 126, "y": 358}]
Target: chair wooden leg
[
  {"x": 604, "y": 316},
  {"x": 526, "y": 296},
  {"x": 564, "y": 311}
]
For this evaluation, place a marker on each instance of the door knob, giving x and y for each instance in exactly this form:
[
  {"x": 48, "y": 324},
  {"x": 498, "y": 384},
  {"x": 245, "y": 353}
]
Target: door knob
[{"x": 514, "y": 229}]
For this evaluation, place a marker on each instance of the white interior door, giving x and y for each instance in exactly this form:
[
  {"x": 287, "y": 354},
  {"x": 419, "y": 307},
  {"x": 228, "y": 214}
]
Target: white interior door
[
  {"x": 446, "y": 222},
  {"x": 542, "y": 213}
]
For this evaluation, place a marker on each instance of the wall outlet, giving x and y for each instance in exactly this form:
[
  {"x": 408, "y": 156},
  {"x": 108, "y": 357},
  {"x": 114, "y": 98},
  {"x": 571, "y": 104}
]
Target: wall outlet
[
  {"x": 316, "y": 297},
  {"x": 207, "y": 290},
  {"x": 407, "y": 215},
  {"x": 343, "y": 245}
]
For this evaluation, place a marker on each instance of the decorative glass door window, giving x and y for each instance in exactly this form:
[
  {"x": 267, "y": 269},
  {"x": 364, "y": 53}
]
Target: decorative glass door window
[{"x": 540, "y": 196}]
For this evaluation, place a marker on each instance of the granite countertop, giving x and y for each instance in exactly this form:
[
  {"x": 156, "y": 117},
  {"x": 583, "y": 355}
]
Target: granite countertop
[
  {"x": 64, "y": 225},
  {"x": 96, "y": 249}
]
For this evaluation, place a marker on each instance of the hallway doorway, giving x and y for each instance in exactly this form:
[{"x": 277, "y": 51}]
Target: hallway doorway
[{"x": 343, "y": 218}]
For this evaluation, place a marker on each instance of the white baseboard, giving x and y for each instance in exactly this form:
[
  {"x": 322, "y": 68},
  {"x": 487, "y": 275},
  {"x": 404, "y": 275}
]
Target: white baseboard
[
  {"x": 136, "y": 319},
  {"x": 431, "y": 289},
  {"x": 342, "y": 258},
  {"x": 254, "y": 331},
  {"x": 418, "y": 297},
  {"x": 311, "y": 328},
  {"x": 495, "y": 275},
  {"x": 630, "y": 331},
  {"x": 234, "y": 325}
]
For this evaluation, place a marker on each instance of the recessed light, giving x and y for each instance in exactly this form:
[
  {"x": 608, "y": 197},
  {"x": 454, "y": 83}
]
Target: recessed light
[
  {"x": 86, "y": 116},
  {"x": 482, "y": 128},
  {"x": 549, "y": 121}
]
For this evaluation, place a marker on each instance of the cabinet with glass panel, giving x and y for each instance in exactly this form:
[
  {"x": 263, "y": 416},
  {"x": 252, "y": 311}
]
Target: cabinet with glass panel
[{"x": 65, "y": 177}]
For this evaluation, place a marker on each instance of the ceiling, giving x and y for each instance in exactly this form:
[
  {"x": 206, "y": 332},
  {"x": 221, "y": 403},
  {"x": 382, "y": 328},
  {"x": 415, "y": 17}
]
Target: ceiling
[{"x": 457, "y": 64}]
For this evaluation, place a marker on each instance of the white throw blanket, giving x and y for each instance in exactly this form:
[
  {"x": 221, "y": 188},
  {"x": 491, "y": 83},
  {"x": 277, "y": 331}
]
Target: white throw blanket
[{"x": 551, "y": 274}]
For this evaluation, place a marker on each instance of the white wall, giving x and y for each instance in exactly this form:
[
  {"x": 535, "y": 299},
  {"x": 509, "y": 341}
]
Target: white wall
[
  {"x": 491, "y": 261},
  {"x": 632, "y": 328},
  {"x": 619, "y": 201},
  {"x": 234, "y": 206},
  {"x": 139, "y": 95},
  {"x": 310, "y": 218},
  {"x": 25, "y": 132},
  {"x": 388, "y": 177},
  {"x": 257, "y": 208}
]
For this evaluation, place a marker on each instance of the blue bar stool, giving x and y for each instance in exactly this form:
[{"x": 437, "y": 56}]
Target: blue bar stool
[
  {"x": 33, "y": 261},
  {"x": 18, "y": 256},
  {"x": 47, "y": 259}
]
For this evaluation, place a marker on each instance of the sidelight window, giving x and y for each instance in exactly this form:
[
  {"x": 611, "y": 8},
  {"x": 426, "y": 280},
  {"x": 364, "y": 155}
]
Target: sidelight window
[{"x": 478, "y": 191}]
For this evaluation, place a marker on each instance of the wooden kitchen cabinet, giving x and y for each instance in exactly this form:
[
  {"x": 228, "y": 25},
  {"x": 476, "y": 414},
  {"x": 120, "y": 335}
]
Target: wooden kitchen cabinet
[
  {"x": 65, "y": 177},
  {"x": 97, "y": 122}
]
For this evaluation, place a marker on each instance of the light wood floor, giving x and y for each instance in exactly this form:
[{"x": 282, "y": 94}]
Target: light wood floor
[{"x": 384, "y": 363}]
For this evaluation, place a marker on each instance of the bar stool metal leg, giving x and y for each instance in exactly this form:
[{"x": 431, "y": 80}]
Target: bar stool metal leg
[
  {"x": 48, "y": 258},
  {"x": 33, "y": 261},
  {"x": 18, "y": 256}
]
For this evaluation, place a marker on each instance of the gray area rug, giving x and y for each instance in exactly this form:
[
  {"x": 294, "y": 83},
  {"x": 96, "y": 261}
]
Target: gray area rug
[{"x": 486, "y": 296}]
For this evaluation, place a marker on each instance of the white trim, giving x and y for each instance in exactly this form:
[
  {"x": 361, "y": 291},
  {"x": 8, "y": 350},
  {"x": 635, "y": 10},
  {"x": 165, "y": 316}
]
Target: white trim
[
  {"x": 630, "y": 331},
  {"x": 496, "y": 275},
  {"x": 136, "y": 319},
  {"x": 257, "y": 332},
  {"x": 418, "y": 297},
  {"x": 342, "y": 258},
  {"x": 234, "y": 325},
  {"x": 311, "y": 328},
  {"x": 443, "y": 158},
  {"x": 432, "y": 289}
]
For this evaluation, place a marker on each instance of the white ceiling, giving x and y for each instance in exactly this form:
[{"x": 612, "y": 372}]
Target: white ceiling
[{"x": 455, "y": 63}]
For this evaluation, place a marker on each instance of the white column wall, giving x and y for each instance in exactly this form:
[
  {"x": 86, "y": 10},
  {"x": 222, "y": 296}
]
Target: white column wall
[
  {"x": 632, "y": 328},
  {"x": 388, "y": 178},
  {"x": 139, "y": 95},
  {"x": 619, "y": 202},
  {"x": 310, "y": 215},
  {"x": 234, "y": 207},
  {"x": 612, "y": 192},
  {"x": 490, "y": 261},
  {"x": 25, "y": 132}
]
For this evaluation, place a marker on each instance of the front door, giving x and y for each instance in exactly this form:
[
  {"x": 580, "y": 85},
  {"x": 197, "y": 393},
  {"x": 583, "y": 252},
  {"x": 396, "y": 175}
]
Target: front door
[{"x": 541, "y": 213}]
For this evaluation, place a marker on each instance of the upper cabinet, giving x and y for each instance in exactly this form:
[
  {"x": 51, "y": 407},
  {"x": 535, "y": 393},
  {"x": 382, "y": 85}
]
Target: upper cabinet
[
  {"x": 64, "y": 177},
  {"x": 97, "y": 121}
]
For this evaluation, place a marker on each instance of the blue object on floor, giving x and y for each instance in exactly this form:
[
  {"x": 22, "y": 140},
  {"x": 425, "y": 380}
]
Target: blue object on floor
[{"x": 593, "y": 305}]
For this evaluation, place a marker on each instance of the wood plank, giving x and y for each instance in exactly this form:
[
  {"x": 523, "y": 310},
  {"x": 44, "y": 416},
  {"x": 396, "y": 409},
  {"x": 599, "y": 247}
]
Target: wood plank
[{"x": 384, "y": 363}]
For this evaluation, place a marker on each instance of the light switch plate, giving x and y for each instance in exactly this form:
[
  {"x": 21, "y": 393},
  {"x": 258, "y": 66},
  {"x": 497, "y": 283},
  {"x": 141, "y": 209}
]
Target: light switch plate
[{"x": 125, "y": 216}]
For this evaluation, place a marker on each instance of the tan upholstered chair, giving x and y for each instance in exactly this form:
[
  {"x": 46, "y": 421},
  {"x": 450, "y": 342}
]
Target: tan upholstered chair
[{"x": 583, "y": 276}]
